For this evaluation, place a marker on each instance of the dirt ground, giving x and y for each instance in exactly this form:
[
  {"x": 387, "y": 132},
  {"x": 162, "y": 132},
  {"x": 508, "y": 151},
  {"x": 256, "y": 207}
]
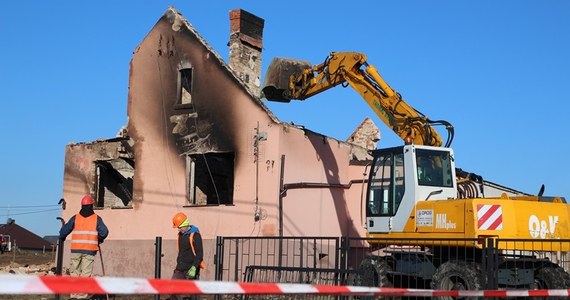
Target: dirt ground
[
  {"x": 25, "y": 258},
  {"x": 25, "y": 263}
]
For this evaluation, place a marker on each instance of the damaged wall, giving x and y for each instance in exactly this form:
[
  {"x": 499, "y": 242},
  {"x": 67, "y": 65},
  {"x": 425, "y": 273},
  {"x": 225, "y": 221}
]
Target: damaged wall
[
  {"x": 203, "y": 143},
  {"x": 103, "y": 169}
]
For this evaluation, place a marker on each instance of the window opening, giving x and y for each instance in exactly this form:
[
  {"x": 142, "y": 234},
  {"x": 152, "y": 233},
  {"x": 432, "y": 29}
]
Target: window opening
[
  {"x": 114, "y": 183},
  {"x": 210, "y": 178},
  {"x": 185, "y": 86}
]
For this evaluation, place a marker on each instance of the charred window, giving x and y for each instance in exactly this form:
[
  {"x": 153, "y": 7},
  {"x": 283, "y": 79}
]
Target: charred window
[
  {"x": 185, "y": 87},
  {"x": 210, "y": 178},
  {"x": 114, "y": 183}
]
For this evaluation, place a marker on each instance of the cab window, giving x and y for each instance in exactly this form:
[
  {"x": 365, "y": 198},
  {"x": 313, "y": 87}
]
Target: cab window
[{"x": 433, "y": 168}]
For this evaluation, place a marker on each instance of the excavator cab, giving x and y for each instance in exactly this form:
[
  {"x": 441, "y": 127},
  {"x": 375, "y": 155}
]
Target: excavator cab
[{"x": 402, "y": 176}]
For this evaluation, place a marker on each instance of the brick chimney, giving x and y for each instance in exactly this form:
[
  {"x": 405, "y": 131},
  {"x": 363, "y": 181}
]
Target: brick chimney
[{"x": 246, "y": 36}]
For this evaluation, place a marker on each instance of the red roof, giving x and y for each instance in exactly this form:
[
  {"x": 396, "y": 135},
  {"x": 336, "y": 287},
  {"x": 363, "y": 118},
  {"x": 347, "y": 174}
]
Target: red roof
[{"x": 23, "y": 238}]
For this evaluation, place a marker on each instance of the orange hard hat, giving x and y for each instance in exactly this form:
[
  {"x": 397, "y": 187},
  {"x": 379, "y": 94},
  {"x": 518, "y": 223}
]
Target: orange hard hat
[
  {"x": 86, "y": 200},
  {"x": 178, "y": 219}
]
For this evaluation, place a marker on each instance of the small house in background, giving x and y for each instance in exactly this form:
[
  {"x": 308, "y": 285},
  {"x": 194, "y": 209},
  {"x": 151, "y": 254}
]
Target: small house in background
[
  {"x": 14, "y": 237},
  {"x": 200, "y": 140},
  {"x": 52, "y": 239}
]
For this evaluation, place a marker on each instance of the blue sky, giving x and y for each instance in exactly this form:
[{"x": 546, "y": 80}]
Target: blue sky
[{"x": 499, "y": 71}]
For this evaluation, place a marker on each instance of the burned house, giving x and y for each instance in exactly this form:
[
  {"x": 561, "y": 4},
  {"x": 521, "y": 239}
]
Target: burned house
[{"x": 200, "y": 140}]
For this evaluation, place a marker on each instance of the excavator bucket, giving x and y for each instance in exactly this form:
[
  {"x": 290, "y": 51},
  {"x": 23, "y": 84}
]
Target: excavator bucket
[{"x": 277, "y": 77}]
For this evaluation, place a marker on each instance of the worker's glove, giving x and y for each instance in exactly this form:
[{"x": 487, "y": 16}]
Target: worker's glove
[
  {"x": 191, "y": 274},
  {"x": 100, "y": 240}
]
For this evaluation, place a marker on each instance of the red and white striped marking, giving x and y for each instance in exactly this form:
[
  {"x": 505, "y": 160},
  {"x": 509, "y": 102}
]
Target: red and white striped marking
[
  {"x": 39, "y": 285},
  {"x": 489, "y": 217}
]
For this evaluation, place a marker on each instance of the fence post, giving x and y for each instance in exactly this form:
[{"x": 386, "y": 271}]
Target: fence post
[
  {"x": 301, "y": 259},
  {"x": 342, "y": 252},
  {"x": 157, "y": 260},
  {"x": 490, "y": 261},
  {"x": 237, "y": 261},
  {"x": 495, "y": 256},
  {"x": 339, "y": 262},
  {"x": 218, "y": 258},
  {"x": 59, "y": 261},
  {"x": 218, "y": 261}
]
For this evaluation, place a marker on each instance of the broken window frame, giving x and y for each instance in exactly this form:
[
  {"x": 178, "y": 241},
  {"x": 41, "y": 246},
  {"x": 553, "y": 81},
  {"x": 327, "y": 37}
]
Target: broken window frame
[{"x": 207, "y": 168}]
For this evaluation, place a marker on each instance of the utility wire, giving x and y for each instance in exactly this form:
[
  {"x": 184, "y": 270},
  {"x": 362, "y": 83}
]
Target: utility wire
[
  {"x": 31, "y": 212},
  {"x": 27, "y": 206}
]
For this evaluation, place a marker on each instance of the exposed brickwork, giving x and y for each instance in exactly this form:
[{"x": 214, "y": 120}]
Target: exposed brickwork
[
  {"x": 366, "y": 135},
  {"x": 246, "y": 35},
  {"x": 246, "y": 23}
]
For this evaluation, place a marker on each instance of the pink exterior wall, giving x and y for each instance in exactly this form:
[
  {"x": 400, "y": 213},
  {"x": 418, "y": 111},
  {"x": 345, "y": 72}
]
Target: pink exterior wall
[
  {"x": 229, "y": 116},
  {"x": 317, "y": 211}
]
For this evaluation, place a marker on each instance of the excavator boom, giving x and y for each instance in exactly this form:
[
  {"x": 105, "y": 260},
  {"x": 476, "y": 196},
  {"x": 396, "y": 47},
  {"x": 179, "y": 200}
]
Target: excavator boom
[{"x": 289, "y": 79}]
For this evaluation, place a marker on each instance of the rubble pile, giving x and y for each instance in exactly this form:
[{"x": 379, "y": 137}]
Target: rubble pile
[
  {"x": 30, "y": 263},
  {"x": 40, "y": 269}
]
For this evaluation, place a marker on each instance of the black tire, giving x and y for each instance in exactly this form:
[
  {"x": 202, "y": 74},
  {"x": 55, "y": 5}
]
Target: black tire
[
  {"x": 374, "y": 272},
  {"x": 552, "y": 278},
  {"x": 458, "y": 275},
  {"x": 354, "y": 280}
]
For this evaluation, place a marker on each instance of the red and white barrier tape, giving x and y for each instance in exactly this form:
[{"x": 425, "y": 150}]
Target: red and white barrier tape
[{"x": 37, "y": 285}]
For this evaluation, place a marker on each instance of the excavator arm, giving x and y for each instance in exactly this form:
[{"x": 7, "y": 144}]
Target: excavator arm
[{"x": 288, "y": 79}]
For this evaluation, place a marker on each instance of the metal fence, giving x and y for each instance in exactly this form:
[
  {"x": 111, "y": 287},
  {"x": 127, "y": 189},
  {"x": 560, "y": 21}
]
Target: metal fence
[
  {"x": 404, "y": 263},
  {"x": 448, "y": 264},
  {"x": 235, "y": 254}
]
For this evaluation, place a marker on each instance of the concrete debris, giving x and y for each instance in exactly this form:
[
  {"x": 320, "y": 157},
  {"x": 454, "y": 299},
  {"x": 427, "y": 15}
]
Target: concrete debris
[{"x": 15, "y": 268}]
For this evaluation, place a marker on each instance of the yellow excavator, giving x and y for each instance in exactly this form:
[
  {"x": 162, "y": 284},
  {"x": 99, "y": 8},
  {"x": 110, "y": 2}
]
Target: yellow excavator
[{"x": 415, "y": 194}]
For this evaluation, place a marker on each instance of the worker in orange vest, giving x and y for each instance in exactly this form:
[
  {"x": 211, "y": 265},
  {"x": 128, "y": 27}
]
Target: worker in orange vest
[{"x": 87, "y": 232}]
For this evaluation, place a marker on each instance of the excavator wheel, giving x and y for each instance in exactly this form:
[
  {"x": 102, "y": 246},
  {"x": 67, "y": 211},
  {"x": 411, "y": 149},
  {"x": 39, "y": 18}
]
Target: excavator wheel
[
  {"x": 552, "y": 277},
  {"x": 458, "y": 275},
  {"x": 373, "y": 272}
]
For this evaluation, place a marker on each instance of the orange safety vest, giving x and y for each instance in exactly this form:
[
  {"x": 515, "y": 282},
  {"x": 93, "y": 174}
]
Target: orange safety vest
[
  {"x": 202, "y": 265},
  {"x": 84, "y": 235}
]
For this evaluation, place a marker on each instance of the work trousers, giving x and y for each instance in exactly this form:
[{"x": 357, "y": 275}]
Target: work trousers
[
  {"x": 82, "y": 266},
  {"x": 177, "y": 274}
]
